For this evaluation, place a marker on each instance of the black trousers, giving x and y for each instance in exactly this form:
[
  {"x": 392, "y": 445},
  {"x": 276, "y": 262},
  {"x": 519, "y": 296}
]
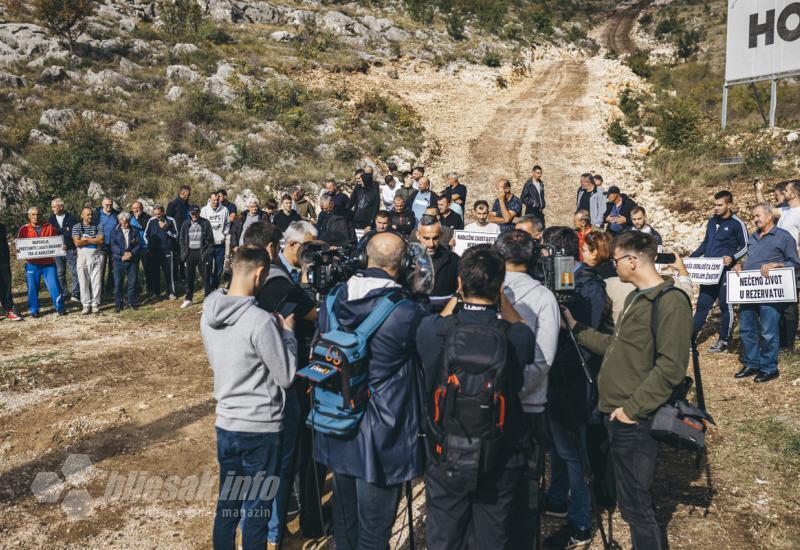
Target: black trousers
[
  {"x": 460, "y": 518},
  {"x": 107, "y": 280},
  {"x": 527, "y": 514},
  {"x": 162, "y": 261},
  {"x": 195, "y": 262},
  {"x": 6, "y": 298},
  {"x": 633, "y": 455}
]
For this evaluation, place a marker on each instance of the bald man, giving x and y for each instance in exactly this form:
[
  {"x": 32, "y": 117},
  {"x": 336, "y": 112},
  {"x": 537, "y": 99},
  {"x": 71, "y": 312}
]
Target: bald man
[{"x": 370, "y": 468}]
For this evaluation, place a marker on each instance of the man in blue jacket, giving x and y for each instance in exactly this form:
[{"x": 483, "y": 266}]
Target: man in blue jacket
[
  {"x": 726, "y": 238},
  {"x": 125, "y": 250},
  {"x": 106, "y": 216},
  {"x": 369, "y": 469}
]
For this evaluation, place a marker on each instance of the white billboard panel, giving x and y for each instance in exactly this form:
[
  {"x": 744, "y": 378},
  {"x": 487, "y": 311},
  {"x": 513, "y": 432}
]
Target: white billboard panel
[{"x": 763, "y": 38}]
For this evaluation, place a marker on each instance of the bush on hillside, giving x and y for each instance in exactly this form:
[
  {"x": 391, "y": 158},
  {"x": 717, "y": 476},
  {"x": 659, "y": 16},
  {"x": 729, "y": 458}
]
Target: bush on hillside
[
  {"x": 492, "y": 59},
  {"x": 688, "y": 44},
  {"x": 758, "y": 158},
  {"x": 618, "y": 134},
  {"x": 639, "y": 62},
  {"x": 678, "y": 125},
  {"x": 629, "y": 103}
]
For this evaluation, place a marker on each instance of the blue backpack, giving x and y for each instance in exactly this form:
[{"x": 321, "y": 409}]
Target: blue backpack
[{"x": 338, "y": 372}]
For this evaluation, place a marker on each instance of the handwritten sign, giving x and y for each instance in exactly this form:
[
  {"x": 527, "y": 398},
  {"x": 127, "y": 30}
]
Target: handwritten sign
[
  {"x": 750, "y": 287},
  {"x": 468, "y": 239},
  {"x": 704, "y": 271},
  {"x": 40, "y": 247}
]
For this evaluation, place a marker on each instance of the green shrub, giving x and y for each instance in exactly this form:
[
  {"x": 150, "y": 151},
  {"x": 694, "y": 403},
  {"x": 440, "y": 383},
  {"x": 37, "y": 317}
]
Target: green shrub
[
  {"x": 618, "y": 134},
  {"x": 269, "y": 100},
  {"x": 419, "y": 10},
  {"x": 688, "y": 44},
  {"x": 629, "y": 102},
  {"x": 312, "y": 40},
  {"x": 667, "y": 26},
  {"x": 492, "y": 59},
  {"x": 199, "y": 107},
  {"x": 639, "y": 62},
  {"x": 646, "y": 20},
  {"x": 758, "y": 158},
  {"x": 537, "y": 19},
  {"x": 455, "y": 25},
  {"x": 678, "y": 125},
  {"x": 181, "y": 19}
]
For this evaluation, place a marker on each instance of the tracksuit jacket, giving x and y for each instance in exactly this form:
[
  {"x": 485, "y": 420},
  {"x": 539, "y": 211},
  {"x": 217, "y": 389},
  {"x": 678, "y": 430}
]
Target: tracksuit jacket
[
  {"x": 160, "y": 240},
  {"x": 27, "y": 231},
  {"x": 724, "y": 237}
]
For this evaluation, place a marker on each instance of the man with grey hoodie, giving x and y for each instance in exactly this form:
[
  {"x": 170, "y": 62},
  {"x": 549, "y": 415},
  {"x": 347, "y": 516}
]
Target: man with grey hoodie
[
  {"x": 253, "y": 355},
  {"x": 537, "y": 305}
]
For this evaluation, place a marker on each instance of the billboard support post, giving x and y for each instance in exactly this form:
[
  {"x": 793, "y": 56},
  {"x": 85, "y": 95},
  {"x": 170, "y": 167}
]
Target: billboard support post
[
  {"x": 773, "y": 101},
  {"x": 724, "y": 106}
]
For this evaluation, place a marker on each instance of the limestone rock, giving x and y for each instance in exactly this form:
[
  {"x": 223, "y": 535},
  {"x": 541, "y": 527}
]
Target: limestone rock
[
  {"x": 13, "y": 185},
  {"x": 282, "y": 36},
  {"x": 25, "y": 41},
  {"x": 38, "y": 137},
  {"x": 184, "y": 49},
  {"x": 54, "y": 73},
  {"x": 11, "y": 80},
  {"x": 174, "y": 93},
  {"x": 57, "y": 119},
  {"x": 182, "y": 73}
]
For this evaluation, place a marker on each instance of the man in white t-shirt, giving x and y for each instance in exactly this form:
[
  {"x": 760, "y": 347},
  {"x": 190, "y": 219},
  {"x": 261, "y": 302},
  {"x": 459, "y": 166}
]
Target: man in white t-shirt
[
  {"x": 388, "y": 190},
  {"x": 481, "y": 224}
]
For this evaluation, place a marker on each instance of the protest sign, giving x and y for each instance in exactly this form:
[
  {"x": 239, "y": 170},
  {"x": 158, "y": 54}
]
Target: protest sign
[
  {"x": 468, "y": 239},
  {"x": 40, "y": 247},
  {"x": 704, "y": 271},
  {"x": 750, "y": 287},
  {"x": 359, "y": 234}
]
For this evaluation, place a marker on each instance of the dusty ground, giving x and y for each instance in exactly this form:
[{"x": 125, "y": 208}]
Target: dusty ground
[{"x": 133, "y": 392}]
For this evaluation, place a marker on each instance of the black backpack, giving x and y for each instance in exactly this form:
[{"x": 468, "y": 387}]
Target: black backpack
[{"x": 469, "y": 400}]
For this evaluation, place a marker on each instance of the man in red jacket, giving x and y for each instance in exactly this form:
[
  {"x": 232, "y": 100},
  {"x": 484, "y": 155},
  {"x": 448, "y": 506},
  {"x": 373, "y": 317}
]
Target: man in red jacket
[{"x": 41, "y": 267}]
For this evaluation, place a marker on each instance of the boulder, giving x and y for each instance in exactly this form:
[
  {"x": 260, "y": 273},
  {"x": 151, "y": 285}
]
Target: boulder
[
  {"x": 184, "y": 49},
  {"x": 11, "y": 80},
  {"x": 261, "y": 12},
  {"x": 219, "y": 84},
  {"x": 14, "y": 186},
  {"x": 57, "y": 119},
  {"x": 174, "y": 93},
  {"x": 127, "y": 65},
  {"x": 196, "y": 169},
  {"x": 282, "y": 36},
  {"x": 792, "y": 137},
  {"x": 54, "y": 73},
  {"x": 40, "y": 138},
  {"x": 107, "y": 79},
  {"x": 182, "y": 73},
  {"x": 343, "y": 25},
  {"x": 21, "y": 42}
]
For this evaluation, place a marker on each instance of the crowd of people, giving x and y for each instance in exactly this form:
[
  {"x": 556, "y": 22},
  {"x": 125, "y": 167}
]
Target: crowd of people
[{"x": 466, "y": 385}]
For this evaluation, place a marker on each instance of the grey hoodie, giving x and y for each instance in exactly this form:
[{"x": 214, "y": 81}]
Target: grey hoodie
[
  {"x": 538, "y": 307},
  {"x": 253, "y": 359}
]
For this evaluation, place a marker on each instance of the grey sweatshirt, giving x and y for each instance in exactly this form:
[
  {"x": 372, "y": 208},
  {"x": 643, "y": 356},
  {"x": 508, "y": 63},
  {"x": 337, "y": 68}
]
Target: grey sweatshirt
[
  {"x": 538, "y": 307},
  {"x": 253, "y": 360}
]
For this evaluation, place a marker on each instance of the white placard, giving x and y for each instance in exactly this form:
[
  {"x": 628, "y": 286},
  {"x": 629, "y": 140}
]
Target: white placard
[
  {"x": 468, "y": 239},
  {"x": 704, "y": 271},
  {"x": 763, "y": 38},
  {"x": 40, "y": 247},
  {"x": 750, "y": 287},
  {"x": 359, "y": 234}
]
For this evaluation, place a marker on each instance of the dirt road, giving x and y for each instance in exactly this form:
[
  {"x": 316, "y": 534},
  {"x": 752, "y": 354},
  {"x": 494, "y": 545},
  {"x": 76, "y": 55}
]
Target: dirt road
[{"x": 617, "y": 32}]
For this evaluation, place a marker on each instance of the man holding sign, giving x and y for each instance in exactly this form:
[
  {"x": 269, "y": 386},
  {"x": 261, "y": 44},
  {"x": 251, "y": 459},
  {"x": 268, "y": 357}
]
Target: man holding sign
[
  {"x": 768, "y": 248},
  {"x": 726, "y": 238},
  {"x": 40, "y": 267}
]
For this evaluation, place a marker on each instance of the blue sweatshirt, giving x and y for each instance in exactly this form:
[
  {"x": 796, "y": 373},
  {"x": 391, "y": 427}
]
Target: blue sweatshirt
[{"x": 724, "y": 237}]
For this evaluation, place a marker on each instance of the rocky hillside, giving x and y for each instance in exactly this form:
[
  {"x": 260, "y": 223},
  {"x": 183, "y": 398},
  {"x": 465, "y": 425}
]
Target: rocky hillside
[{"x": 217, "y": 93}]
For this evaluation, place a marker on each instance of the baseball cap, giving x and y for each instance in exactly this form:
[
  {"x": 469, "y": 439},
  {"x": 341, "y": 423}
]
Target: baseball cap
[
  {"x": 613, "y": 190},
  {"x": 194, "y": 208}
]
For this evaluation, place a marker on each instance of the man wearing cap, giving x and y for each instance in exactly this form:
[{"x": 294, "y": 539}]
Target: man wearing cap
[
  {"x": 196, "y": 240},
  {"x": 618, "y": 211}
]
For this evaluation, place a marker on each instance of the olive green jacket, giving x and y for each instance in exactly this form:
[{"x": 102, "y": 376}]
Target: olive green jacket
[{"x": 628, "y": 378}]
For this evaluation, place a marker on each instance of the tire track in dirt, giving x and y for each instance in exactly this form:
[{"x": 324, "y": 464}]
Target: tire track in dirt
[{"x": 617, "y": 34}]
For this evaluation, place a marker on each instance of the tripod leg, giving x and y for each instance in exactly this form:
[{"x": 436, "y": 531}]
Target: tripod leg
[{"x": 409, "y": 506}]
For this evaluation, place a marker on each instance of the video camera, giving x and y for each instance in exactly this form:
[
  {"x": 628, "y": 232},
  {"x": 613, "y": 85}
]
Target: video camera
[
  {"x": 555, "y": 270},
  {"x": 327, "y": 265}
]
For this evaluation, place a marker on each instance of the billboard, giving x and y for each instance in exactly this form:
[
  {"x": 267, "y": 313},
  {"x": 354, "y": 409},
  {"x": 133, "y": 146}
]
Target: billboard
[{"x": 763, "y": 39}]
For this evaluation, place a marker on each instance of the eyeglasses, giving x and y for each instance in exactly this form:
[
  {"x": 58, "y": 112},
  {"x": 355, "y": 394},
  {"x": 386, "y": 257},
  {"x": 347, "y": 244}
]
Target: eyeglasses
[{"x": 615, "y": 260}]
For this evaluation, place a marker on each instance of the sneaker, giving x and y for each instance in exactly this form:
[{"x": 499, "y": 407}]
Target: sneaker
[
  {"x": 569, "y": 537},
  {"x": 62, "y": 312},
  {"x": 12, "y": 316},
  {"x": 720, "y": 347},
  {"x": 185, "y": 304},
  {"x": 555, "y": 509},
  {"x": 86, "y": 310},
  {"x": 75, "y": 299},
  {"x": 173, "y": 297}
]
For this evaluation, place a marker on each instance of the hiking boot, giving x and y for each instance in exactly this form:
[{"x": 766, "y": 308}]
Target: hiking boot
[
  {"x": 569, "y": 537},
  {"x": 12, "y": 316},
  {"x": 720, "y": 347},
  {"x": 555, "y": 509}
]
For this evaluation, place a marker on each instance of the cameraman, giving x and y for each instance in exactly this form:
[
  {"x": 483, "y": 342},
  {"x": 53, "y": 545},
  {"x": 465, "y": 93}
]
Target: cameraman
[
  {"x": 537, "y": 305},
  {"x": 571, "y": 401},
  {"x": 370, "y": 467},
  {"x": 470, "y": 503},
  {"x": 279, "y": 290},
  {"x": 637, "y": 378}
]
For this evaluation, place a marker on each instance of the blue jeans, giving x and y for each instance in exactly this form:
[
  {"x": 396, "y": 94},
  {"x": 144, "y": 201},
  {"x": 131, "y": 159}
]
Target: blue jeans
[
  {"x": 568, "y": 482},
  {"x": 363, "y": 513},
  {"x": 64, "y": 263},
  {"x": 216, "y": 261},
  {"x": 758, "y": 329},
  {"x": 33, "y": 276},
  {"x": 248, "y": 468},
  {"x": 288, "y": 439},
  {"x": 125, "y": 271}
]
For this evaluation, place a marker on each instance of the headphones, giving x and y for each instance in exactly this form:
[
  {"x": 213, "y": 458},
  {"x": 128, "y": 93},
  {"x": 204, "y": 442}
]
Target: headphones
[{"x": 406, "y": 262}]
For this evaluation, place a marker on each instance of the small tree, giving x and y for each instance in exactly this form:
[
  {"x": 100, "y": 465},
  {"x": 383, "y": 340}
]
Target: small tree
[{"x": 65, "y": 19}]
